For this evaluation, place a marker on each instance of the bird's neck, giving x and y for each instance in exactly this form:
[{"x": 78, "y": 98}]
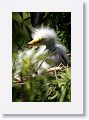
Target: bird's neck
[{"x": 51, "y": 45}]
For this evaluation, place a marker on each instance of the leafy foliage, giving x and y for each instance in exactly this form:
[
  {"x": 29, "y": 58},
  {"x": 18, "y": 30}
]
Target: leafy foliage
[
  {"x": 44, "y": 88},
  {"x": 48, "y": 86}
]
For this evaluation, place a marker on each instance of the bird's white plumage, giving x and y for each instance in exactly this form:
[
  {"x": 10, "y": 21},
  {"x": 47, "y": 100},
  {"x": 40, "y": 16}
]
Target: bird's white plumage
[
  {"x": 41, "y": 50},
  {"x": 44, "y": 33},
  {"x": 28, "y": 53},
  {"x": 37, "y": 34}
]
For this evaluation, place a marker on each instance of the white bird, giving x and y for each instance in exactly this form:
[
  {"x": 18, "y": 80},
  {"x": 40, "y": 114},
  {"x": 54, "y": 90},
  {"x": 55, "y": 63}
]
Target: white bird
[
  {"x": 48, "y": 37},
  {"x": 45, "y": 39}
]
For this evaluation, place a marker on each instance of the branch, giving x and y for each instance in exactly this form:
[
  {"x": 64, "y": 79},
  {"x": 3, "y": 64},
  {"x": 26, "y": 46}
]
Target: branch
[{"x": 61, "y": 67}]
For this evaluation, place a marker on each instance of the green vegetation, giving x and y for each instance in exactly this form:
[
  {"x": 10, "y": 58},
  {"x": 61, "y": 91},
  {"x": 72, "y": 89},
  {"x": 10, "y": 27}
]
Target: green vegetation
[{"x": 53, "y": 86}]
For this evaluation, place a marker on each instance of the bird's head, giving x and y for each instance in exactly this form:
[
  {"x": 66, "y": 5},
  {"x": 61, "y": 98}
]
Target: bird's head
[{"x": 43, "y": 36}]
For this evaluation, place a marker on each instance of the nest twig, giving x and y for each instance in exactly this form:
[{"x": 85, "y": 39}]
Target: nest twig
[{"x": 61, "y": 67}]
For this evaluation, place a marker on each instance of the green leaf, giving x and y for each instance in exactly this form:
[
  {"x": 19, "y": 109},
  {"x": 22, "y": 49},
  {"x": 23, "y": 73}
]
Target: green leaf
[
  {"x": 16, "y": 16},
  {"x": 26, "y": 16},
  {"x": 28, "y": 24},
  {"x": 49, "y": 61},
  {"x": 41, "y": 57}
]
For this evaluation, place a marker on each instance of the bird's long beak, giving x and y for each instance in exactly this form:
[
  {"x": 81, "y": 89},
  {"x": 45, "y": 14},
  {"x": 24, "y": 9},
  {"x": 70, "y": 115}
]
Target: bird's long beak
[{"x": 33, "y": 43}]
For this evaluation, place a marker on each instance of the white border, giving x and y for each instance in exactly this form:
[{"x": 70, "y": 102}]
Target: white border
[{"x": 76, "y": 104}]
